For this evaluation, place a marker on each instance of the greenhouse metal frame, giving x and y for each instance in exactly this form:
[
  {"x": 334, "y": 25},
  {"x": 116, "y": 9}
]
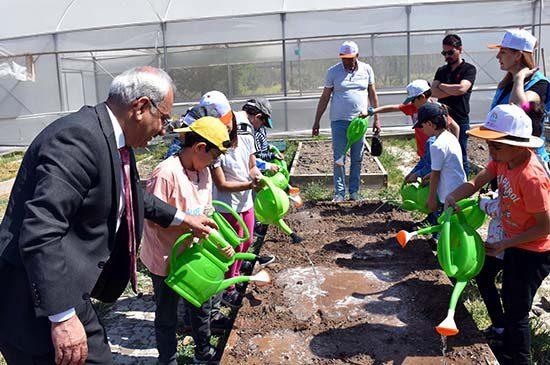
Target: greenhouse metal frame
[{"x": 277, "y": 49}]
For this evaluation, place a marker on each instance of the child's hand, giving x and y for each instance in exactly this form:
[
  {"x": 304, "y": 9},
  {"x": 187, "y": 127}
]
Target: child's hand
[
  {"x": 227, "y": 251},
  {"x": 450, "y": 201},
  {"x": 273, "y": 167},
  {"x": 279, "y": 156},
  {"x": 410, "y": 178},
  {"x": 493, "y": 249},
  {"x": 426, "y": 179},
  {"x": 432, "y": 204}
]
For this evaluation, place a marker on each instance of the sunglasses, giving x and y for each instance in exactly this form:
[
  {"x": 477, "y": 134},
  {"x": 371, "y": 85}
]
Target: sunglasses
[{"x": 448, "y": 53}]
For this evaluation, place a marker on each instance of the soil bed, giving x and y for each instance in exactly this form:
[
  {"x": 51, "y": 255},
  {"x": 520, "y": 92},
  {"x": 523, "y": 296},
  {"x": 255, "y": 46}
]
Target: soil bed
[
  {"x": 367, "y": 301},
  {"x": 316, "y": 158},
  {"x": 313, "y": 163}
]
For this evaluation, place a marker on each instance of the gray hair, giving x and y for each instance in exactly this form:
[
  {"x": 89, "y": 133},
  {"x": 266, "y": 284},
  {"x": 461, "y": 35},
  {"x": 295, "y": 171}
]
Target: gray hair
[{"x": 137, "y": 82}]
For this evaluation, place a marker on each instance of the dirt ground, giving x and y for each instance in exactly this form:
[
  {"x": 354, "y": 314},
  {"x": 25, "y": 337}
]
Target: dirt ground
[
  {"x": 478, "y": 152},
  {"x": 366, "y": 301},
  {"x": 316, "y": 158}
]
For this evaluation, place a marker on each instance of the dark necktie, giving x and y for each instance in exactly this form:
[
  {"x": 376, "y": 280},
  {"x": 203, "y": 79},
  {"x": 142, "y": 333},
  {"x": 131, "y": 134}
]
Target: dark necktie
[{"x": 125, "y": 157}]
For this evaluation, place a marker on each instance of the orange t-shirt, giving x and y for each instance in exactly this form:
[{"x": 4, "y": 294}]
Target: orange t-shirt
[
  {"x": 190, "y": 192},
  {"x": 523, "y": 191}
]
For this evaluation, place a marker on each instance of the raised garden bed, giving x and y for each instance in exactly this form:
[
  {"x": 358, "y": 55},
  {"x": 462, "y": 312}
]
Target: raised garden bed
[
  {"x": 313, "y": 162},
  {"x": 368, "y": 301}
]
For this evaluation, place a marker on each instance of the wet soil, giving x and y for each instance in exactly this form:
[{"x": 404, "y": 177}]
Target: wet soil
[
  {"x": 365, "y": 300},
  {"x": 316, "y": 158}
]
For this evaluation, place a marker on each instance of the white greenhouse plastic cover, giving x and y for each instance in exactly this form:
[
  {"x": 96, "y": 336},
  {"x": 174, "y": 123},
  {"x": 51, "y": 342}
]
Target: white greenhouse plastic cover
[
  {"x": 275, "y": 48},
  {"x": 28, "y": 26}
]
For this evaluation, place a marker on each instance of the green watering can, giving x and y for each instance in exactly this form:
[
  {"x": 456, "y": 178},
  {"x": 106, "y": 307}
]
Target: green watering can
[
  {"x": 197, "y": 274},
  {"x": 281, "y": 178},
  {"x": 271, "y": 205},
  {"x": 414, "y": 197},
  {"x": 356, "y": 130},
  {"x": 460, "y": 253},
  {"x": 227, "y": 231}
]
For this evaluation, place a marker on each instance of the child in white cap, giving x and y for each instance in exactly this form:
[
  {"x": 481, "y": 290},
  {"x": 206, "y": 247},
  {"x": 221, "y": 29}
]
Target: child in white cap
[
  {"x": 418, "y": 94},
  {"x": 524, "y": 193}
]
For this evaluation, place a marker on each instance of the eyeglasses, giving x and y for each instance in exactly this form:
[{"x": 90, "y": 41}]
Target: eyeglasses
[
  {"x": 166, "y": 119},
  {"x": 448, "y": 53}
]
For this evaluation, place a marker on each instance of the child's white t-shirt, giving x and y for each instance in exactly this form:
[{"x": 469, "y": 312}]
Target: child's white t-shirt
[
  {"x": 235, "y": 165},
  {"x": 446, "y": 157}
]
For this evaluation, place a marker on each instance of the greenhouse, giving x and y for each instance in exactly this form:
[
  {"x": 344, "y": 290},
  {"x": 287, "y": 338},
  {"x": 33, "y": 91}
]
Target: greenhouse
[{"x": 68, "y": 51}]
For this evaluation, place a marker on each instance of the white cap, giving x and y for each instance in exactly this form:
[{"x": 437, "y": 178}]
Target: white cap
[
  {"x": 217, "y": 106},
  {"x": 416, "y": 88},
  {"x": 518, "y": 39},
  {"x": 508, "y": 123},
  {"x": 349, "y": 49}
]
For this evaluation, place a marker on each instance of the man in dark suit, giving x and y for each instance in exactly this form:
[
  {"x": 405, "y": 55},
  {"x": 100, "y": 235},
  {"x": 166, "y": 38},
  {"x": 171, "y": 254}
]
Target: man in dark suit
[{"x": 74, "y": 220}]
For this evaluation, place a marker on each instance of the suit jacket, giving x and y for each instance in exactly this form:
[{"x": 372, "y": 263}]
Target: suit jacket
[{"x": 58, "y": 240}]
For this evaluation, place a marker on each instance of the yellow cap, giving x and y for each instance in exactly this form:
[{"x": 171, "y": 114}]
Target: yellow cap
[{"x": 212, "y": 129}]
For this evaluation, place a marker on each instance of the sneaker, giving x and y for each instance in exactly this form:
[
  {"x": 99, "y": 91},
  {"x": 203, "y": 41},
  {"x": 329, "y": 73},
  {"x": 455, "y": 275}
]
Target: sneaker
[
  {"x": 494, "y": 334},
  {"x": 338, "y": 199},
  {"x": 265, "y": 260},
  {"x": 207, "y": 358},
  {"x": 231, "y": 299},
  {"x": 296, "y": 238},
  {"x": 354, "y": 197},
  {"x": 247, "y": 266},
  {"x": 219, "y": 320}
]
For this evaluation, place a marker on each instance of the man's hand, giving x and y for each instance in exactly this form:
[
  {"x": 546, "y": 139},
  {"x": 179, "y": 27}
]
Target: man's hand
[
  {"x": 227, "y": 251},
  {"x": 432, "y": 204},
  {"x": 69, "y": 341},
  {"x": 315, "y": 129},
  {"x": 376, "y": 128},
  {"x": 200, "y": 225},
  {"x": 426, "y": 179}
]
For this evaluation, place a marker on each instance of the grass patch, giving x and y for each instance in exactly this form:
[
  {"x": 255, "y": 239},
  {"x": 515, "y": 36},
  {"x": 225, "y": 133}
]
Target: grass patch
[
  {"x": 290, "y": 151},
  {"x": 315, "y": 191},
  {"x": 9, "y": 165}
]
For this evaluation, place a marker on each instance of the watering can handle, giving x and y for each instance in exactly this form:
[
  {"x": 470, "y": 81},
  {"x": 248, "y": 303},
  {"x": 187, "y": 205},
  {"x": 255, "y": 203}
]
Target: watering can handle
[
  {"x": 176, "y": 247},
  {"x": 235, "y": 215},
  {"x": 267, "y": 183},
  {"x": 445, "y": 241}
]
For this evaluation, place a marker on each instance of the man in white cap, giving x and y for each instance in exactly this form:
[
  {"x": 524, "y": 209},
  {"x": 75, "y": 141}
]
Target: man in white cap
[
  {"x": 523, "y": 188},
  {"x": 351, "y": 84}
]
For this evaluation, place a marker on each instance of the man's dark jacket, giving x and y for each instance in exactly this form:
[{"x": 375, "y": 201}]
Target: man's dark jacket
[{"x": 58, "y": 239}]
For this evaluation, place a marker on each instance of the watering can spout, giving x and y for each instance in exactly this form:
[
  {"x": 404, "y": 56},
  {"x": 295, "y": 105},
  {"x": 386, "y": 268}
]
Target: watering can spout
[{"x": 448, "y": 326}]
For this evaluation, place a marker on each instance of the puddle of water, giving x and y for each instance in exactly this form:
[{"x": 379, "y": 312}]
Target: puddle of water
[
  {"x": 341, "y": 293},
  {"x": 283, "y": 347}
]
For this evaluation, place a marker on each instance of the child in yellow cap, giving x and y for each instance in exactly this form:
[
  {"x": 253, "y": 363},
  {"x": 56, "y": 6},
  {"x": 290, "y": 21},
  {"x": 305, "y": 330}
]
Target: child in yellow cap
[{"x": 182, "y": 180}]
